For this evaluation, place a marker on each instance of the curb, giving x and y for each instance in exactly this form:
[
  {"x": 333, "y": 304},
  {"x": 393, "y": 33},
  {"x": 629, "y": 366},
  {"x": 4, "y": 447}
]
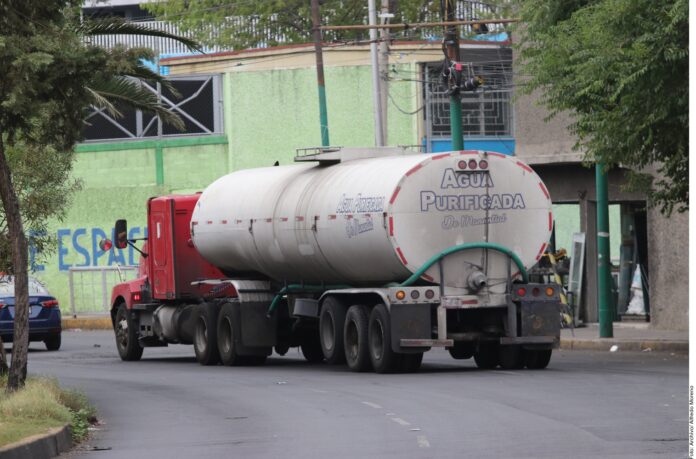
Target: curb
[
  {"x": 676, "y": 347},
  {"x": 42, "y": 446},
  {"x": 87, "y": 323}
]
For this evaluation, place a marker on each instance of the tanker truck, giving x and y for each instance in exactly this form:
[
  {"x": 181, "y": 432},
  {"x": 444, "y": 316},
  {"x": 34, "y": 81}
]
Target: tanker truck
[{"x": 368, "y": 257}]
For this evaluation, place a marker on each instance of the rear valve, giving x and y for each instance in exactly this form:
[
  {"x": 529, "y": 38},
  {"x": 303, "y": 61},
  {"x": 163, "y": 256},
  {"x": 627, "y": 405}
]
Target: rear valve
[{"x": 476, "y": 281}]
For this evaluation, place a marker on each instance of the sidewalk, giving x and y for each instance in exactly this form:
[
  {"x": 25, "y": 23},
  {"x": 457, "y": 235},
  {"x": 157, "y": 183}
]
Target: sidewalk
[{"x": 627, "y": 337}]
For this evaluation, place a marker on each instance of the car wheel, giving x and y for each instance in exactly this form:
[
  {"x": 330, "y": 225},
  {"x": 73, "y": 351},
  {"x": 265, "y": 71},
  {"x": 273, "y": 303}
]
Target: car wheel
[
  {"x": 53, "y": 342},
  {"x": 125, "y": 329}
]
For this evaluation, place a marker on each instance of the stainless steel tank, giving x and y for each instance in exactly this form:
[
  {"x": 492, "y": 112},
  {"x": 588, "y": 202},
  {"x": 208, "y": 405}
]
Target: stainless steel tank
[{"x": 375, "y": 220}]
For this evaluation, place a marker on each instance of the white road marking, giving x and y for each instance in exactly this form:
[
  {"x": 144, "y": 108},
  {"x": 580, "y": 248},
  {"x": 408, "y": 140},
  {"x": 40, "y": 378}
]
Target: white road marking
[
  {"x": 423, "y": 442},
  {"x": 320, "y": 391},
  {"x": 373, "y": 405},
  {"x": 400, "y": 421},
  {"x": 513, "y": 373}
]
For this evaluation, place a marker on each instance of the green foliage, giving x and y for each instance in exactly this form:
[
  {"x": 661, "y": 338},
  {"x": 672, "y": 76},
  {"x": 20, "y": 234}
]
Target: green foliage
[
  {"x": 245, "y": 24},
  {"x": 620, "y": 67}
]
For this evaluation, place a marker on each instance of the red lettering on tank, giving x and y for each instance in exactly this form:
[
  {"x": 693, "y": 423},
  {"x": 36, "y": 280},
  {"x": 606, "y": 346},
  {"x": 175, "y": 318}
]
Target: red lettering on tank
[
  {"x": 332, "y": 217},
  {"x": 299, "y": 219},
  {"x": 224, "y": 222},
  {"x": 269, "y": 220},
  {"x": 283, "y": 219}
]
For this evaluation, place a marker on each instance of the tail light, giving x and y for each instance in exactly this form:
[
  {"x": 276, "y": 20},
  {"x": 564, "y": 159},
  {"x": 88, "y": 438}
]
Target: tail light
[
  {"x": 461, "y": 164},
  {"x": 429, "y": 294},
  {"x": 135, "y": 296},
  {"x": 483, "y": 164},
  {"x": 415, "y": 294},
  {"x": 472, "y": 164},
  {"x": 521, "y": 291},
  {"x": 536, "y": 291},
  {"x": 2, "y": 305},
  {"x": 49, "y": 303},
  {"x": 400, "y": 295},
  {"x": 550, "y": 291}
]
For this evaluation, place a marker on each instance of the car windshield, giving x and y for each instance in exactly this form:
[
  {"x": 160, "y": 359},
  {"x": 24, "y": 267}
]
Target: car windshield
[{"x": 7, "y": 286}]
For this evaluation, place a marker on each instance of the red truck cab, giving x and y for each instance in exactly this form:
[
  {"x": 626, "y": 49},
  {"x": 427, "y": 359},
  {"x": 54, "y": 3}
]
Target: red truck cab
[{"x": 170, "y": 264}]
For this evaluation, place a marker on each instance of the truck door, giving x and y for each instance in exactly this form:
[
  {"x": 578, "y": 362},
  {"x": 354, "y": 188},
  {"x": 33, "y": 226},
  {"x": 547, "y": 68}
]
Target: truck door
[{"x": 162, "y": 278}]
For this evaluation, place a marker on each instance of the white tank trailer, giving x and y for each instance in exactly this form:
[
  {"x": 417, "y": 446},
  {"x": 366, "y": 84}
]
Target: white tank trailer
[{"x": 368, "y": 257}]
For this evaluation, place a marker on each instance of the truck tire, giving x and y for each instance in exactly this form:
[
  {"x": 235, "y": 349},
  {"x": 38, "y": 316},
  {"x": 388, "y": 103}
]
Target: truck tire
[
  {"x": 311, "y": 349},
  {"x": 462, "y": 350},
  {"x": 53, "y": 342},
  {"x": 331, "y": 323},
  {"x": 383, "y": 358},
  {"x": 410, "y": 363},
  {"x": 355, "y": 338},
  {"x": 511, "y": 357},
  {"x": 125, "y": 330},
  {"x": 537, "y": 359},
  {"x": 226, "y": 337},
  {"x": 205, "y": 335},
  {"x": 486, "y": 356}
]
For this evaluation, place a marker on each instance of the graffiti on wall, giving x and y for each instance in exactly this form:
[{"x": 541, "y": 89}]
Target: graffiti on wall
[{"x": 80, "y": 247}]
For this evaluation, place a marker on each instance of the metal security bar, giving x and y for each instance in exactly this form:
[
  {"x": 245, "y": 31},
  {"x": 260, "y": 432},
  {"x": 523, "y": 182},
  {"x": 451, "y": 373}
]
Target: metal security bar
[
  {"x": 90, "y": 287},
  {"x": 487, "y": 112}
]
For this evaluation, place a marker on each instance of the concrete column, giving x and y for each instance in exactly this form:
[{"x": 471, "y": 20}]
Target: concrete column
[{"x": 588, "y": 224}]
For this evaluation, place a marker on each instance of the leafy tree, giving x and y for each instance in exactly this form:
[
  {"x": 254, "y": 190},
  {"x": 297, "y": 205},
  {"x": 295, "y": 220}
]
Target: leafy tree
[
  {"x": 620, "y": 67},
  {"x": 51, "y": 75},
  {"x": 242, "y": 24}
]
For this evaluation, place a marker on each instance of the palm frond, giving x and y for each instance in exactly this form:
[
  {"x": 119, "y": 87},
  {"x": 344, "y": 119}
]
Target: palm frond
[
  {"x": 135, "y": 94},
  {"x": 103, "y": 102},
  {"x": 143, "y": 72},
  {"x": 116, "y": 26}
]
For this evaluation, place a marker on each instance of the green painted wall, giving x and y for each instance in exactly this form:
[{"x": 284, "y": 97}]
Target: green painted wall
[
  {"x": 270, "y": 114},
  {"x": 117, "y": 179}
]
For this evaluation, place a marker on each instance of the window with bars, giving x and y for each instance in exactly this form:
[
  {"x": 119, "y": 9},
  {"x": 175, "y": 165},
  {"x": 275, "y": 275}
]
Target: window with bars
[
  {"x": 199, "y": 107},
  {"x": 487, "y": 112}
]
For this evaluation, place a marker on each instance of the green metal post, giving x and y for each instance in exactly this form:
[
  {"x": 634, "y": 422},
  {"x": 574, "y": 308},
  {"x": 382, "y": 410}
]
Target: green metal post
[
  {"x": 316, "y": 32},
  {"x": 456, "y": 122},
  {"x": 606, "y": 329}
]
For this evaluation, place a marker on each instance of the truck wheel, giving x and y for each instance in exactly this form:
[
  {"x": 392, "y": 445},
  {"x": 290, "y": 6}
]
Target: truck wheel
[
  {"x": 311, "y": 349},
  {"x": 486, "y": 357},
  {"x": 53, "y": 342},
  {"x": 410, "y": 363},
  {"x": 125, "y": 329},
  {"x": 331, "y": 321},
  {"x": 225, "y": 337},
  {"x": 355, "y": 338},
  {"x": 384, "y": 359},
  {"x": 462, "y": 350},
  {"x": 511, "y": 357},
  {"x": 538, "y": 359},
  {"x": 205, "y": 336}
]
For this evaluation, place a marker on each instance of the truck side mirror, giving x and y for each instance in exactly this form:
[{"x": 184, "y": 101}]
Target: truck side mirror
[{"x": 121, "y": 230}]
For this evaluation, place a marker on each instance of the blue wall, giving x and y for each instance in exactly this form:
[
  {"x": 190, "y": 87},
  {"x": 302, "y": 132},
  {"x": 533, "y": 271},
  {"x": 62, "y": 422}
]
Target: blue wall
[{"x": 504, "y": 145}]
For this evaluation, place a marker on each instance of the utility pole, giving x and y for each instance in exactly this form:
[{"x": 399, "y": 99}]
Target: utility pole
[
  {"x": 606, "y": 316},
  {"x": 452, "y": 51},
  {"x": 384, "y": 36},
  {"x": 376, "y": 86},
  {"x": 323, "y": 114}
]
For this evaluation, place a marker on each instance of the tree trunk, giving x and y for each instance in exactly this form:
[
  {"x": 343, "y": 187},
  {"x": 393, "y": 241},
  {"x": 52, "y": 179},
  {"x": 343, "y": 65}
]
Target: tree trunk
[
  {"x": 15, "y": 228},
  {"x": 4, "y": 369}
]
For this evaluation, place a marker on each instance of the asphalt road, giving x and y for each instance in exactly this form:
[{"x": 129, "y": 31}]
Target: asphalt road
[{"x": 618, "y": 405}]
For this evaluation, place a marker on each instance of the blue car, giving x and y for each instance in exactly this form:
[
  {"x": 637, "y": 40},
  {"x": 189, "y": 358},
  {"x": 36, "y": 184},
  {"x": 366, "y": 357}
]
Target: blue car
[{"x": 44, "y": 314}]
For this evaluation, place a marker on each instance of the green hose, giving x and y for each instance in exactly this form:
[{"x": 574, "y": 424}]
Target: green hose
[
  {"x": 458, "y": 248},
  {"x": 434, "y": 259}
]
